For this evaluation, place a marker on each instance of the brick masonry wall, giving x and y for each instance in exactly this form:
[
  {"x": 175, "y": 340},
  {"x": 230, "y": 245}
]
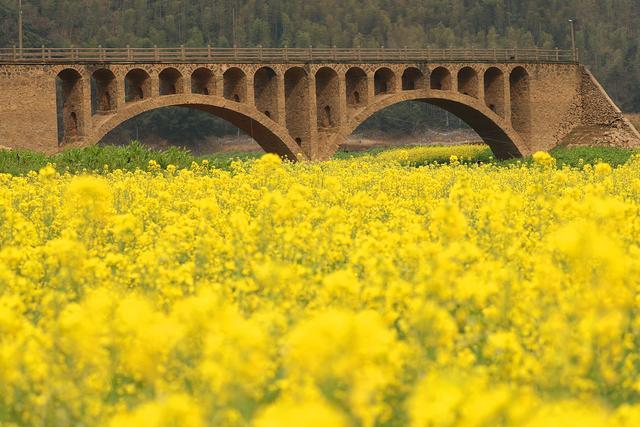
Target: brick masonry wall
[{"x": 559, "y": 104}]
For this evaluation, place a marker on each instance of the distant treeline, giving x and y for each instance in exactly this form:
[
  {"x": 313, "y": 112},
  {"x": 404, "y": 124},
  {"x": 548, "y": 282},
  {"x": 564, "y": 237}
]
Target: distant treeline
[{"x": 608, "y": 34}]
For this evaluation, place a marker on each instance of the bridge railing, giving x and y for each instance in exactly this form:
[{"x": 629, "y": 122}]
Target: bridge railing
[{"x": 210, "y": 54}]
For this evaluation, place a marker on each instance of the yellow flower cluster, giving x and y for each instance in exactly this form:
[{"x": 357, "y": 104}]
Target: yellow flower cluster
[{"x": 347, "y": 293}]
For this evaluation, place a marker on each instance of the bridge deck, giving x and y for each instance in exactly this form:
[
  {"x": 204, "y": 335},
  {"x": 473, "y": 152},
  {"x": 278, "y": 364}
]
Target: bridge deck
[{"x": 47, "y": 55}]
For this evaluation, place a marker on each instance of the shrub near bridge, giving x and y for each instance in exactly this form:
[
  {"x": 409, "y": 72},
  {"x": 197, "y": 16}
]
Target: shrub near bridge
[{"x": 348, "y": 293}]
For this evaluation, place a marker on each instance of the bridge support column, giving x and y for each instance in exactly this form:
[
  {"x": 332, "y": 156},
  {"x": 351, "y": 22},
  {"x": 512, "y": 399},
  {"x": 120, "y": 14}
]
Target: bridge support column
[
  {"x": 371, "y": 86},
  {"x": 507, "y": 98},
  {"x": 121, "y": 92},
  {"x": 219, "y": 78},
  {"x": 454, "y": 79},
  {"x": 155, "y": 84},
  {"x": 342, "y": 96},
  {"x": 86, "y": 118},
  {"x": 251, "y": 99},
  {"x": 481, "y": 95},
  {"x": 282, "y": 113},
  {"x": 313, "y": 148}
]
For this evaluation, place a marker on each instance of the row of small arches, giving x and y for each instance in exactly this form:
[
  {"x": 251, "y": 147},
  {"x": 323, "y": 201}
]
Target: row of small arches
[{"x": 138, "y": 86}]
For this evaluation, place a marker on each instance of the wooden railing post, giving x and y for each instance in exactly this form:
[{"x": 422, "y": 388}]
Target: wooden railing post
[
  {"x": 209, "y": 52},
  {"x": 42, "y": 52},
  {"x": 156, "y": 53},
  {"x": 310, "y": 53},
  {"x": 359, "y": 53},
  {"x": 260, "y": 52},
  {"x": 335, "y": 54},
  {"x": 128, "y": 53},
  {"x": 15, "y": 57},
  {"x": 286, "y": 53},
  {"x": 183, "y": 55},
  {"x": 235, "y": 52}
]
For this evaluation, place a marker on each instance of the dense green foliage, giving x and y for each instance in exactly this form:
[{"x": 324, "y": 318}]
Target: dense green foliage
[
  {"x": 137, "y": 156},
  {"x": 607, "y": 35},
  {"x": 128, "y": 157}
]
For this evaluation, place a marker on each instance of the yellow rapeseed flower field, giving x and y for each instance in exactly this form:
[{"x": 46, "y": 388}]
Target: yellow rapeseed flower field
[{"x": 350, "y": 293}]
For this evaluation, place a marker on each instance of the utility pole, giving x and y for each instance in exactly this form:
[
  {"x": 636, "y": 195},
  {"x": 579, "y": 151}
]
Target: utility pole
[
  {"x": 234, "y": 26},
  {"x": 20, "y": 26},
  {"x": 573, "y": 39}
]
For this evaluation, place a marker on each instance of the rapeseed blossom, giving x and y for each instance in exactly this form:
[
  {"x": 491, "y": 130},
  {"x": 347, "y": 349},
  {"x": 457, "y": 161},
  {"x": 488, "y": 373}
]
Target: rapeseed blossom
[{"x": 359, "y": 292}]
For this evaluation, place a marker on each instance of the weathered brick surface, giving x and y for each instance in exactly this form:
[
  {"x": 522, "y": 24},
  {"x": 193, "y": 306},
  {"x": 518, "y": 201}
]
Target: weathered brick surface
[{"x": 305, "y": 111}]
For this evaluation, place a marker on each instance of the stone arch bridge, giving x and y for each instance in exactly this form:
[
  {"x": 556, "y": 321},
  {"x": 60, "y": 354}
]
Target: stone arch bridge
[{"x": 301, "y": 103}]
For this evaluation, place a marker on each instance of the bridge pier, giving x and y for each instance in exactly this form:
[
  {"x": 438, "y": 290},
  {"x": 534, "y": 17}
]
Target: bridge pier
[{"x": 302, "y": 108}]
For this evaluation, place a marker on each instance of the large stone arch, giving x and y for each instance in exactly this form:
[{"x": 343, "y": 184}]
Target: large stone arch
[
  {"x": 271, "y": 136},
  {"x": 495, "y": 131},
  {"x": 69, "y": 106}
]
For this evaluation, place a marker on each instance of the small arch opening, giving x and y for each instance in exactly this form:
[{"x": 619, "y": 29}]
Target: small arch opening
[
  {"x": 69, "y": 107},
  {"x": 494, "y": 90},
  {"x": 384, "y": 81},
  {"x": 265, "y": 90},
  {"x": 440, "y": 79},
  {"x": 412, "y": 79},
  {"x": 327, "y": 119},
  {"x": 235, "y": 84},
  {"x": 299, "y": 141},
  {"x": 171, "y": 82},
  {"x": 468, "y": 82},
  {"x": 520, "y": 100},
  {"x": 202, "y": 82},
  {"x": 357, "y": 86},
  {"x": 104, "y": 91},
  {"x": 137, "y": 84},
  {"x": 297, "y": 102},
  {"x": 327, "y": 96}
]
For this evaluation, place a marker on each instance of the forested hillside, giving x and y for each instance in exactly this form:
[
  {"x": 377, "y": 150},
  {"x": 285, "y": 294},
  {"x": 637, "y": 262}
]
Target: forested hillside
[{"x": 608, "y": 34}]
